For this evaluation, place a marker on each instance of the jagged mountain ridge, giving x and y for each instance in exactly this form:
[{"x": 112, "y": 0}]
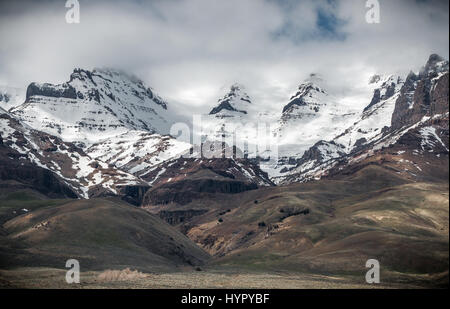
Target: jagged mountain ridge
[
  {"x": 135, "y": 153},
  {"x": 139, "y": 150}
]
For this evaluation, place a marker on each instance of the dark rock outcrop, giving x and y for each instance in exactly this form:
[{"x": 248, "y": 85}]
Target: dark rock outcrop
[
  {"x": 49, "y": 90},
  {"x": 225, "y": 105}
]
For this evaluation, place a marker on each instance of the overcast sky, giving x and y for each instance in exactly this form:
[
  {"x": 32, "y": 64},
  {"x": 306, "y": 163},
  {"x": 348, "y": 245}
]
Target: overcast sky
[{"x": 189, "y": 51}]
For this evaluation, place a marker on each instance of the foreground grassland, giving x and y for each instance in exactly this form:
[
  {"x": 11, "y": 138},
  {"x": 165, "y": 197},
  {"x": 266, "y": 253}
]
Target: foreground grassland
[
  {"x": 209, "y": 279},
  {"x": 313, "y": 235}
]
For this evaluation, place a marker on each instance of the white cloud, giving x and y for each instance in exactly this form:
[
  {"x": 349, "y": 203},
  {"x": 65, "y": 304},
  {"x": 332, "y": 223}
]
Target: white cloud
[{"x": 189, "y": 50}]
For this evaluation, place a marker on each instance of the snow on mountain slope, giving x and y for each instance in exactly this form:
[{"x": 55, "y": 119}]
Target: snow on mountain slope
[
  {"x": 93, "y": 106},
  {"x": 375, "y": 117},
  {"x": 11, "y": 97},
  {"x": 397, "y": 108},
  {"x": 312, "y": 114},
  {"x": 84, "y": 175},
  {"x": 185, "y": 169},
  {"x": 235, "y": 102},
  {"x": 113, "y": 116},
  {"x": 137, "y": 151},
  {"x": 233, "y": 110},
  {"x": 235, "y": 120}
]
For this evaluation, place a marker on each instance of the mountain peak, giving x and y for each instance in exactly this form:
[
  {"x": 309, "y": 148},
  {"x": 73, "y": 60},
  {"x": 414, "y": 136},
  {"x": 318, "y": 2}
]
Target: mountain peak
[
  {"x": 236, "y": 100},
  {"x": 306, "y": 93},
  {"x": 93, "y": 104}
]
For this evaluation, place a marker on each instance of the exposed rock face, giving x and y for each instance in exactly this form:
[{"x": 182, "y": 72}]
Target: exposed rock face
[
  {"x": 432, "y": 137},
  {"x": 386, "y": 91},
  {"x": 48, "y": 90},
  {"x": 111, "y": 115},
  {"x": 232, "y": 122},
  {"x": 425, "y": 94},
  {"x": 225, "y": 105}
]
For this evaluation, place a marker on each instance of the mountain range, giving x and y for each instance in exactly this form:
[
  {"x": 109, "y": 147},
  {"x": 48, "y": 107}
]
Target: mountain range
[{"x": 339, "y": 179}]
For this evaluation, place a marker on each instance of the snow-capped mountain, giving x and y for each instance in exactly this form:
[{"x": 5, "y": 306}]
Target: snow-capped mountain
[
  {"x": 313, "y": 113},
  {"x": 233, "y": 104},
  {"x": 112, "y": 115},
  {"x": 233, "y": 120},
  {"x": 375, "y": 117},
  {"x": 307, "y": 101},
  {"x": 232, "y": 111},
  {"x": 11, "y": 97},
  {"x": 93, "y": 106},
  {"x": 397, "y": 108},
  {"x": 79, "y": 173},
  {"x": 115, "y": 125}
]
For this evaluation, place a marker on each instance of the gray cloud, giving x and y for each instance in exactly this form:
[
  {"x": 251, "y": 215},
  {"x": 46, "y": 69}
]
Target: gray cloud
[{"x": 190, "y": 50}]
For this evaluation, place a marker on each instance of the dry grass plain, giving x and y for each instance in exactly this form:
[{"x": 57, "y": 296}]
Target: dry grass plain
[{"x": 48, "y": 278}]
